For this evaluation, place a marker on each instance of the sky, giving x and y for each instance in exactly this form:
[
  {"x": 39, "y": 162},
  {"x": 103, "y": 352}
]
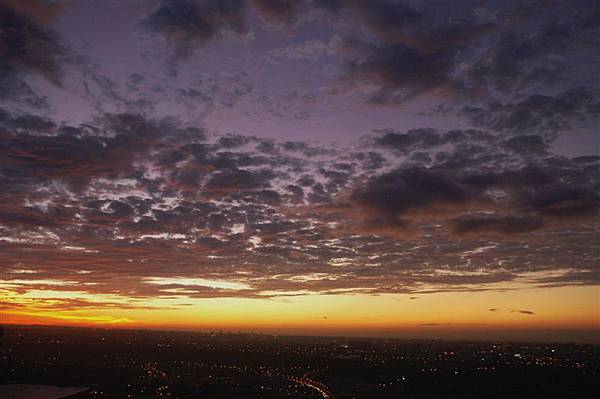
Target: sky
[{"x": 379, "y": 168}]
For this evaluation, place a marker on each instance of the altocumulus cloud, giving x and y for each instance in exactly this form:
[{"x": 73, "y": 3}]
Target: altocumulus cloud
[
  {"x": 139, "y": 202},
  {"x": 128, "y": 206}
]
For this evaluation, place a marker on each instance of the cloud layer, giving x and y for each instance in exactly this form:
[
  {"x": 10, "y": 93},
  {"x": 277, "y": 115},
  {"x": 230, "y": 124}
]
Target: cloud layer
[
  {"x": 144, "y": 208},
  {"x": 140, "y": 199}
]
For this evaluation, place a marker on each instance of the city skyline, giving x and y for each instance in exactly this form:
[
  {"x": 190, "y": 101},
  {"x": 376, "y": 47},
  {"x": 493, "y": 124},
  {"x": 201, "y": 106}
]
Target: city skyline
[{"x": 337, "y": 167}]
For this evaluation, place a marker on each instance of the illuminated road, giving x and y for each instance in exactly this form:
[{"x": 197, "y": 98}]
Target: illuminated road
[{"x": 321, "y": 388}]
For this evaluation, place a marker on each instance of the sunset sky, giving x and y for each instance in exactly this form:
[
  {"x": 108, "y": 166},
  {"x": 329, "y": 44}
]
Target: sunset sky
[{"x": 384, "y": 168}]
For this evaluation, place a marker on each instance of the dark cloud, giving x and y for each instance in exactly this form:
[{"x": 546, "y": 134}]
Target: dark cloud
[
  {"x": 30, "y": 123},
  {"x": 405, "y": 189},
  {"x": 27, "y": 45},
  {"x": 239, "y": 180},
  {"x": 540, "y": 113},
  {"x": 398, "y": 71},
  {"x": 191, "y": 23},
  {"x": 538, "y": 51},
  {"x": 427, "y": 139},
  {"x": 194, "y": 96},
  {"x": 35, "y": 149},
  {"x": 401, "y": 50},
  {"x": 410, "y": 50},
  {"x": 108, "y": 94},
  {"x": 388, "y": 19},
  {"x": 585, "y": 159},
  {"x": 561, "y": 202},
  {"x": 527, "y": 145},
  {"x": 486, "y": 223},
  {"x": 283, "y": 12},
  {"x": 135, "y": 79},
  {"x": 472, "y": 187},
  {"x": 416, "y": 139},
  {"x": 14, "y": 88},
  {"x": 233, "y": 141},
  {"x": 413, "y": 54},
  {"x": 295, "y": 190},
  {"x": 527, "y": 312}
]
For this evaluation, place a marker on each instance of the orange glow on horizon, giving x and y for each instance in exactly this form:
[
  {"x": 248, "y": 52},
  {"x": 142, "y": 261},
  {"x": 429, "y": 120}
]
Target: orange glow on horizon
[{"x": 438, "y": 314}]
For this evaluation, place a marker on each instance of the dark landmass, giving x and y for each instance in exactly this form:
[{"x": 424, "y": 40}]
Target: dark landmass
[{"x": 173, "y": 364}]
